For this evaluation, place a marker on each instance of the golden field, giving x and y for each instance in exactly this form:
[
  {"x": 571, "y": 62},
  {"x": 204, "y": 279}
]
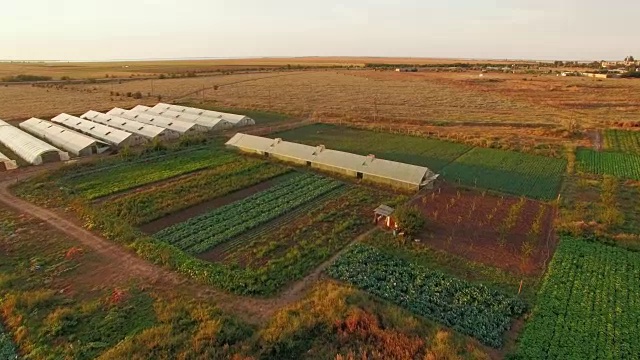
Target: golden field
[{"x": 359, "y": 96}]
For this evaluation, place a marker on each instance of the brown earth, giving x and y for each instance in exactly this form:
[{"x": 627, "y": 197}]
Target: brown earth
[{"x": 459, "y": 221}]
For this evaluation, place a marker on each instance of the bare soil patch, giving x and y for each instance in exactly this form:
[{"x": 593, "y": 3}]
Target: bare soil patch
[
  {"x": 469, "y": 223},
  {"x": 184, "y": 215}
]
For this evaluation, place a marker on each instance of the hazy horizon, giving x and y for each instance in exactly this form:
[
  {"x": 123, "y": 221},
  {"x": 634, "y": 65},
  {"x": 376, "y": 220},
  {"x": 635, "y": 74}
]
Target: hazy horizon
[{"x": 74, "y": 30}]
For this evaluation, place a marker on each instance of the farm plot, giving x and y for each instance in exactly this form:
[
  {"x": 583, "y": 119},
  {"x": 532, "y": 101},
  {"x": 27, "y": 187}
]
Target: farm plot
[
  {"x": 506, "y": 232},
  {"x": 434, "y": 154},
  {"x": 509, "y": 172},
  {"x": 100, "y": 182},
  {"x": 626, "y": 166},
  {"x": 287, "y": 250},
  {"x": 588, "y": 307},
  {"x": 622, "y": 141},
  {"x": 202, "y": 233},
  {"x": 150, "y": 204},
  {"x": 471, "y": 309}
]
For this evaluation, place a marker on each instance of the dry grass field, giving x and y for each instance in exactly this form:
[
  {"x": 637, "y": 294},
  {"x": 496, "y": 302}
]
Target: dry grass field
[
  {"x": 80, "y": 70},
  {"x": 364, "y": 96}
]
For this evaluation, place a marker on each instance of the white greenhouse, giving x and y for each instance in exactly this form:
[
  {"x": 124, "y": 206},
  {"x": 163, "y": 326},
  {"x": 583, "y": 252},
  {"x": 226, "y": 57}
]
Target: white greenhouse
[
  {"x": 210, "y": 123},
  {"x": 6, "y": 163},
  {"x": 181, "y": 127},
  {"x": 31, "y": 149},
  {"x": 235, "y": 119},
  {"x": 150, "y": 132},
  {"x": 74, "y": 142},
  {"x": 109, "y": 135}
]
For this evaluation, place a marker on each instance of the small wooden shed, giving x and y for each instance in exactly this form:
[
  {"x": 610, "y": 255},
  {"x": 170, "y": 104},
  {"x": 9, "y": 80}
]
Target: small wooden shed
[{"x": 383, "y": 216}]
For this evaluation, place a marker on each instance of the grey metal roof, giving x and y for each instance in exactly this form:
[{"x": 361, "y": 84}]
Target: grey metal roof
[
  {"x": 105, "y": 133},
  {"x": 58, "y": 135},
  {"x": 250, "y": 142},
  {"x": 26, "y": 146},
  {"x": 293, "y": 150},
  {"x": 157, "y": 120},
  {"x": 235, "y": 119},
  {"x": 132, "y": 126},
  {"x": 384, "y": 210},
  {"x": 401, "y": 172},
  {"x": 209, "y": 123}
]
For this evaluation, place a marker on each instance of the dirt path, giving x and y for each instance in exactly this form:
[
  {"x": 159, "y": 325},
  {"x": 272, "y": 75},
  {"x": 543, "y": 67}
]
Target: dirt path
[
  {"x": 299, "y": 288},
  {"x": 598, "y": 143},
  {"x": 127, "y": 265}
]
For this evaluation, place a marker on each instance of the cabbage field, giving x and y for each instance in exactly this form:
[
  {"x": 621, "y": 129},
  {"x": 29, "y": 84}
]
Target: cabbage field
[
  {"x": 621, "y": 165},
  {"x": 471, "y": 309},
  {"x": 202, "y": 233},
  {"x": 588, "y": 307}
]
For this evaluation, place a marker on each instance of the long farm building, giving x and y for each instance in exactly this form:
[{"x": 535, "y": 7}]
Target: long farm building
[
  {"x": 369, "y": 168},
  {"x": 109, "y": 135},
  {"x": 74, "y": 142},
  {"x": 28, "y": 147}
]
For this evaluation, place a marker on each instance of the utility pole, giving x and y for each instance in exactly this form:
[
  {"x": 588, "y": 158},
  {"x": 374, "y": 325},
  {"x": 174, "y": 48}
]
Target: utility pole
[{"x": 151, "y": 86}]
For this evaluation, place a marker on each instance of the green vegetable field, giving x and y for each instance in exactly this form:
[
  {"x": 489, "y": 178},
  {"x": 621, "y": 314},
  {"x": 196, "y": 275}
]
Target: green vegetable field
[
  {"x": 202, "y": 233},
  {"x": 622, "y": 141},
  {"x": 471, "y": 309},
  {"x": 626, "y": 166},
  {"x": 145, "y": 206},
  {"x": 511, "y": 172},
  {"x": 434, "y": 154},
  {"x": 7, "y": 348},
  {"x": 588, "y": 306},
  {"x": 110, "y": 180}
]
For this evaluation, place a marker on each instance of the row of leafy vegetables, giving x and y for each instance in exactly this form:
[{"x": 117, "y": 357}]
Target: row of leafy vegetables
[
  {"x": 588, "y": 306},
  {"x": 7, "y": 348},
  {"x": 471, "y": 309}
]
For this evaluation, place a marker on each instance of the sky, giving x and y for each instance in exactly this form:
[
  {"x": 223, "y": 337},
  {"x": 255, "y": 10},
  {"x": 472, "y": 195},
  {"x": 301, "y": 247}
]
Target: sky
[{"x": 480, "y": 29}]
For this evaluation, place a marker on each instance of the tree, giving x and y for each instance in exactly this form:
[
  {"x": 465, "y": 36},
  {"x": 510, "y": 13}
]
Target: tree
[{"x": 409, "y": 219}]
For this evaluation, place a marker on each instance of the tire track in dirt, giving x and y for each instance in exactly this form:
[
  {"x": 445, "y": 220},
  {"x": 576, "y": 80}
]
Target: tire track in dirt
[{"x": 127, "y": 265}]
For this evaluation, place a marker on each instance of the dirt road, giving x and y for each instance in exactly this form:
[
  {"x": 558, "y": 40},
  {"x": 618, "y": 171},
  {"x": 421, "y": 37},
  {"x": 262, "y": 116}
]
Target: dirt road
[{"x": 129, "y": 266}]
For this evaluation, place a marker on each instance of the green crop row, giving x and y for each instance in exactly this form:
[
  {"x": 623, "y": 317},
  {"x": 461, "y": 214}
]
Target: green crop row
[
  {"x": 145, "y": 206},
  {"x": 622, "y": 141},
  {"x": 7, "y": 348},
  {"x": 626, "y": 166},
  {"x": 510, "y": 172},
  {"x": 470, "y": 309},
  {"x": 588, "y": 306},
  {"x": 204, "y": 232},
  {"x": 109, "y": 182}
]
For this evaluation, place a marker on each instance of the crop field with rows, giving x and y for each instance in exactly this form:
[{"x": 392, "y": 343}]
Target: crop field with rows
[
  {"x": 103, "y": 181},
  {"x": 289, "y": 249},
  {"x": 502, "y": 231},
  {"x": 204, "y": 232},
  {"x": 626, "y": 166},
  {"x": 150, "y": 204},
  {"x": 434, "y": 154},
  {"x": 471, "y": 309},
  {"x": 622, "y": 141},
  {"x": 510, "y": 172},
  {"x": 588, "y": 307}
]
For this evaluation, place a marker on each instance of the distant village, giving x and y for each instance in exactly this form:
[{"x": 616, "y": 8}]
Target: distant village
[{"x": 628, "y": 68}]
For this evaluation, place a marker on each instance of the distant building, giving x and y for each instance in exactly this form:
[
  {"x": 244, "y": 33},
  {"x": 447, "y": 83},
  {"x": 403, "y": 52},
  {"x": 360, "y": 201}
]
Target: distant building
[{"x": 407, "y": 69}]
